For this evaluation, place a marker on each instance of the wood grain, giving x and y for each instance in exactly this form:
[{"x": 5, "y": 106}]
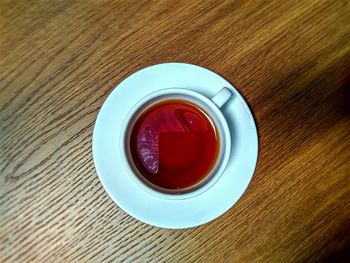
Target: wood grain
[{"x": 59, "y": 60}]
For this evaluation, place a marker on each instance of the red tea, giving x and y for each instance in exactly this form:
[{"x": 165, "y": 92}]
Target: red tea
[{"x": 174, "y": 144}]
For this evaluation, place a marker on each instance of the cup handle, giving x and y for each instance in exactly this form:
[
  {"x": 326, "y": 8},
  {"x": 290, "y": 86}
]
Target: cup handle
[{"x": 222, "y": 97}]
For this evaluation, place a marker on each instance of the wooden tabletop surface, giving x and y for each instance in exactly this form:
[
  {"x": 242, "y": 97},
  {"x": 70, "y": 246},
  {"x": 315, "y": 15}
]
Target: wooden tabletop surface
[{"x": 59, "y": 60}]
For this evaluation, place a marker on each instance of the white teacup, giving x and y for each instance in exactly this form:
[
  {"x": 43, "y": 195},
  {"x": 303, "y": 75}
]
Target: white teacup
[{"x": 212, "y": 108}]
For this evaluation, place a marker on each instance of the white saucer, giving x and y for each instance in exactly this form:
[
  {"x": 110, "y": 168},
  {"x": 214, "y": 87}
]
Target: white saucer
[{"x": 143, "y": 205}]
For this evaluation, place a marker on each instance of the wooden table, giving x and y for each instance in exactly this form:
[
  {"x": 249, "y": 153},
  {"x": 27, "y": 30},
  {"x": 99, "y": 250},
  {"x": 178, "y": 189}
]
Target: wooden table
[{"x": 61, "y": 59}]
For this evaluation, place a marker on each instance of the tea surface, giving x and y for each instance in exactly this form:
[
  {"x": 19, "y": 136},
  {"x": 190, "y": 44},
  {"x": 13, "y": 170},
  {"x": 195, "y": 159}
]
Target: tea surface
[{"x": 174, "y": 144}]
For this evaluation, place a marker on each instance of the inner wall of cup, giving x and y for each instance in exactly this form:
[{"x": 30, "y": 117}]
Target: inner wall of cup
[{"x": 212, "y": 116}]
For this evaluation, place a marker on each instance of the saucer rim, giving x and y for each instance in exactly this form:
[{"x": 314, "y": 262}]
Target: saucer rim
[{"x": 253, "y": 159}]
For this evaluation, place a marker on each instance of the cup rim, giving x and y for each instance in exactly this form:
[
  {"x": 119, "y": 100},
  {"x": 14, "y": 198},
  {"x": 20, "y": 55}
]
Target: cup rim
[{"x": 222, "y": 128}]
